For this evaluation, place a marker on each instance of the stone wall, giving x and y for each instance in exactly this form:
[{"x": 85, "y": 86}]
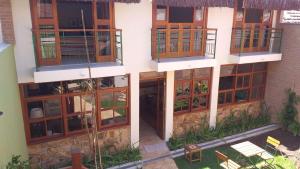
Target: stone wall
[
  {"x": 253, "y": 108},
  {"x": 187, "y": 121},
  {"x": 57, "y": 153}
]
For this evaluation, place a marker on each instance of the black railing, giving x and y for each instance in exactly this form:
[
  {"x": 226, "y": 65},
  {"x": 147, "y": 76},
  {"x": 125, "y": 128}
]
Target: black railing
[{"x": 65, "y": 47}]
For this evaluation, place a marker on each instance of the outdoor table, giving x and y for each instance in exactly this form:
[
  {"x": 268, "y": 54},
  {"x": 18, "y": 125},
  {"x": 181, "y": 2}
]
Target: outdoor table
[
  {"x": 248, "y": 150},
  {"x": 192, "y": 153}
]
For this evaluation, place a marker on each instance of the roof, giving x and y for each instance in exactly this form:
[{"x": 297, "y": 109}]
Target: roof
[
  {"x": 122, "y": 1},
  {"x": 196, "y": 3},
  {"x": 273, "y": 4}
]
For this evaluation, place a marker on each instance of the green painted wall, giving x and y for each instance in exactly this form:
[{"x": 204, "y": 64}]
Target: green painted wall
[{"x": 12, "y": 136}]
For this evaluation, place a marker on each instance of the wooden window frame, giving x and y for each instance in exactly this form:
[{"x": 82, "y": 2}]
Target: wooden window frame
[
  {"x": 252, "y": 28},
  {"x": 249, "y": 88},
  {"x": 191, "y": 95},
  {"x": 168, "y": 29},
  {"x": 64, "y": 114},
  {"x": 37, "y": 22}
]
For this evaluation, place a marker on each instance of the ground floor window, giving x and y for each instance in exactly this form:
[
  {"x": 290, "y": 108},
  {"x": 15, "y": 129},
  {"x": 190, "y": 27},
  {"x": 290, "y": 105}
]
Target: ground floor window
[
  {"x": 242, "y": 83},
  {"x": 192, "y": 90},
  {"x": 61, "y": 109}
]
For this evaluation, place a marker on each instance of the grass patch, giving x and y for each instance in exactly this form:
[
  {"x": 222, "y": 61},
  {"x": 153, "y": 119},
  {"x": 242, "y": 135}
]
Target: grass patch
[{"x": 209, "y": 161}]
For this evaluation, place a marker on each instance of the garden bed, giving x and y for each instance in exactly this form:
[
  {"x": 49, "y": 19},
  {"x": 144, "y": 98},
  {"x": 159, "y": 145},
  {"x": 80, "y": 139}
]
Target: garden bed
[{"x": 229, "y": 126}]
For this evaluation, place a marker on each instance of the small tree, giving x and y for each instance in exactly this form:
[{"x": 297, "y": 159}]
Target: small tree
[{"x": 289, "y": 112}]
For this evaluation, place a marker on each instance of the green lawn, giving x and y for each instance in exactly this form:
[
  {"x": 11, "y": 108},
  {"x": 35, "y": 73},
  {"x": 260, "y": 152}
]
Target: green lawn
[{"x": 209, "y": 160}]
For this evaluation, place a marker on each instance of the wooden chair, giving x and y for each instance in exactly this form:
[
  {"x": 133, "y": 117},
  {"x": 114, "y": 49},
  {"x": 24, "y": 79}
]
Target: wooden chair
[
  {"x": 271, "y": 148},
  {"x": 225, "y": 162}
]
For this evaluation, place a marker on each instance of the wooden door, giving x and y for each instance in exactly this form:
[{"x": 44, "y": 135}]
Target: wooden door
[{"x": 160, "y": 129}]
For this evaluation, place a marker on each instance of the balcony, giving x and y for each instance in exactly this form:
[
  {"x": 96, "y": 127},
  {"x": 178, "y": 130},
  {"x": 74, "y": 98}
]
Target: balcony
[
  {"x": 250, "y": 45},
  {"x": 72, "y": 51},
  {"x": 177, "y": 49}
]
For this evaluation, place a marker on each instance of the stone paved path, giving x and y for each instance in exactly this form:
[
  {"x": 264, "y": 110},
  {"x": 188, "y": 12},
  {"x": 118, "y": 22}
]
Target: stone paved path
[{"x": 151, "y": 146}]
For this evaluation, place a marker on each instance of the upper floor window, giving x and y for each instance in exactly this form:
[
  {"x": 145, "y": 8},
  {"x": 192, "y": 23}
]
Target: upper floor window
[
  {"x": 59, "y": 31},
  {"x": 192, "y": 90}
]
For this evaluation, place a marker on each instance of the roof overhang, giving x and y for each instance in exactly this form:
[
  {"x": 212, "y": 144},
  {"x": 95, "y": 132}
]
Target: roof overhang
[
  {"x": 196, "y": 3},
  {"x": 273, "y": 4}
]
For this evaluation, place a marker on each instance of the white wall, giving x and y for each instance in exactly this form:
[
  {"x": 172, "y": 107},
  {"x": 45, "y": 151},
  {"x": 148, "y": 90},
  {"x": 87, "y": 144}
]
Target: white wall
[
  {"x": 24, "y": 53},
  {"x": 135, "y": 20}
]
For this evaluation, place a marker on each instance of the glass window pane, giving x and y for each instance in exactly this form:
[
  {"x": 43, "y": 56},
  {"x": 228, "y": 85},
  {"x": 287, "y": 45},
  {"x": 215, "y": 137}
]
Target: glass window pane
[
  {"x": 183, "y": 75},
  {"x": 201, "y": 87},
  {"x": 242, "y": 96},
  {"x": 221, "y": 98},
  {"x": 228, "y": 70},
  {"x": 54, "y": 127},
  {"x": 229, "y": 97},
  {"x": 183, "y": 89},
  {"x": 106, "y": 100},
  {"x": 44, "y": 8},
  {"x": 107, "y": 117},
  {"x": 41, "y": 89},
  {"x": 37, "y": 129},
  {"x": 103, "y": 10},
  {"x": 75, "y": 123},
  {"x": 258, "y": 79},
  {"x": 200, "y": 102},
  {"x": 202, "y": 73},
  {"x": 76, "y": 86},
  {"x": 161, "y": 13},
  {"x": 52, "y": 107},
  {"x": 181, "y": 14},
  {"x": 106, "y": 82},
  {"x": 181, "y": 105},
  {"x": 104, "y": 42},
  {"x": 120, "y": 99},
  {"x": 244, "y": 68},
  {"x": 35, "y": 109},
  {"x": 227, "y": 83},
  {"x": 120, "y": 115},
  {"x": 73, "y": 104},
  {"x": 88, "y": 102},
  {"x": 121, "y": 81},
  {"x": 253, "y": 15},
  {"x": 199, "y": 14}
]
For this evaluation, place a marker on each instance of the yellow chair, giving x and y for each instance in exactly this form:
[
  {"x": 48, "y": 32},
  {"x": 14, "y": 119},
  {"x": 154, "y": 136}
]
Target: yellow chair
[
  {"x": 271, "y": 148},
  {"x": 226, "y": 162}
]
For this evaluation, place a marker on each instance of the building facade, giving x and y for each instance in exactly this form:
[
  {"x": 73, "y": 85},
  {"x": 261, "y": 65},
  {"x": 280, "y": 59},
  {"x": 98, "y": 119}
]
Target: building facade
[{"x": 169, "y": 65}]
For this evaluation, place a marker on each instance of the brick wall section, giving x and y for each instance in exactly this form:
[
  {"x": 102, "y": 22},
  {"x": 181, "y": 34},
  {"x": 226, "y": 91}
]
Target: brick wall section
[
  {"x": 6, "y": 21},
  {"x": 286, "y": 73}
]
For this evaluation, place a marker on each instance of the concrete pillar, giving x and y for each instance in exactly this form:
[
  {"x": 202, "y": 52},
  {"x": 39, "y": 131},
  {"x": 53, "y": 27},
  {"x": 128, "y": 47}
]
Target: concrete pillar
[
  {"x": 134, "y": 108},
  {"x": 214, "y": 96},
  {"x": 169, "y": 105}
]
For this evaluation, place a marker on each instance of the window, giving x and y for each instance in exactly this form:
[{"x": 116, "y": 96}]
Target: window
[
  {"x": 241, "y": 83},
  {"x": 181, "y": 14},
  {"x": 192, "y": 89},
  {"x": 113, "y": 101},
  {"x": 61, "y": 109}
]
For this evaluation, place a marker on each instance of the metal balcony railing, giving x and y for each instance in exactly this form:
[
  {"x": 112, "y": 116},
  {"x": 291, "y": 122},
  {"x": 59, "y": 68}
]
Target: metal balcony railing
[
  {"x": 174, "y": 43},
  {"x": 246, "y": 40},
  {"x": 69, "y": 46}
]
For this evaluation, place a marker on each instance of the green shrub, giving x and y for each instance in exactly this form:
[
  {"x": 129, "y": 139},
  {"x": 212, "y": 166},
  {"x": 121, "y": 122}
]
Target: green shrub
[
  {"x": 289, "y": 111},
  {"x": 230, "y": 125},
  {"x": 294, "y": 128},
  {"x": 16, "y": 162},
  {"x": 109, "y": 159}
]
